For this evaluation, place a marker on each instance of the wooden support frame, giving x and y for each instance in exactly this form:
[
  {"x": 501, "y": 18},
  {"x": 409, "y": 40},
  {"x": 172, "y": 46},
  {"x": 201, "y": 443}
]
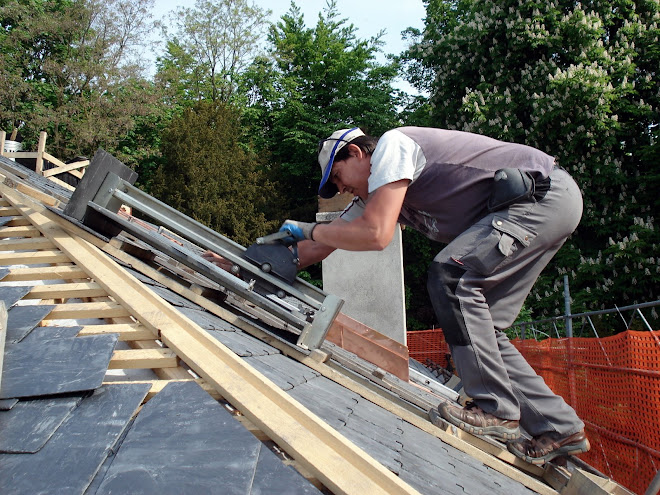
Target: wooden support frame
[
  {"x": 77, "y": 169},
  {"x": 339, "y": 464}
]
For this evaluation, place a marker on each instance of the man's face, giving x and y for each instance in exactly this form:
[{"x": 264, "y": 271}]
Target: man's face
[{"x": 352, "y": 175}]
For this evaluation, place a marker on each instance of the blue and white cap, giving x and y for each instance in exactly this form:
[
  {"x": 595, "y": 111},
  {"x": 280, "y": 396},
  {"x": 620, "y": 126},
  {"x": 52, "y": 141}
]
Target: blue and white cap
[{"x": 328, "y": 149}]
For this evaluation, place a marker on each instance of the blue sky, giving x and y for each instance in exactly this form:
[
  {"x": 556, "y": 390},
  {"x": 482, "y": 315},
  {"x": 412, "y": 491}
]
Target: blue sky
[{"x": 369, "y": 16}]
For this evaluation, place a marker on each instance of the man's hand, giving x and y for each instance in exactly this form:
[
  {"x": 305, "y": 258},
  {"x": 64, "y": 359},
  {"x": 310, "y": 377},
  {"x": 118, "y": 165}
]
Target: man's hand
[
  {"x": 299, "y": 230},
  {"x": 219, "y": 261}
]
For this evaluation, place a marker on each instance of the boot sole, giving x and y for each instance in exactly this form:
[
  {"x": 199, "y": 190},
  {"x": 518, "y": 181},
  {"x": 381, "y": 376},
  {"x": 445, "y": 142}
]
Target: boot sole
[
  {"x": 580, "y": 448},
  {"x": 497, "y": 432}
]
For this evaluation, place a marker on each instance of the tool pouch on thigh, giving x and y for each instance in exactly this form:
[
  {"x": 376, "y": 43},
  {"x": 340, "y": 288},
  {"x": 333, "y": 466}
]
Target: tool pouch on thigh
[{"x": 510, "y": 186}]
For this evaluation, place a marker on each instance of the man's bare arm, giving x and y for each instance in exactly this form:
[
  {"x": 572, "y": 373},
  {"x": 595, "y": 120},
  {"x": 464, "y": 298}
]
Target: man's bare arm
[{"x": 374, "y": 230}]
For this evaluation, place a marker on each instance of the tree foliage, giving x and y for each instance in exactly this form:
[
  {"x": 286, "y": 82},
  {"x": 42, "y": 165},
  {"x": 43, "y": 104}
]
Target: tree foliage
[
  {"x": 578, "y": 81},
  {"x": 214, "y": 43},
  {"x": 68, "y": 67},
  {"x": 317, "y": 80},
  {"x": 209, "y": 175}
]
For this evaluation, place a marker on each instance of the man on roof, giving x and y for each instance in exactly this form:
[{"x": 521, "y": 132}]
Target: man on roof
[{"x": 503, "y": 210}]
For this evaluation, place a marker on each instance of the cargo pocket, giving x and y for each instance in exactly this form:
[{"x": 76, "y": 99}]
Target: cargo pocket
[{"x": 501, "y": 239}]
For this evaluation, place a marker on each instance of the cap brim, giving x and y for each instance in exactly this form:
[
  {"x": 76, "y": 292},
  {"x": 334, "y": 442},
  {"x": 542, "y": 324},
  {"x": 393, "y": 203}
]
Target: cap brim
[{"x": 328, "y": 190}]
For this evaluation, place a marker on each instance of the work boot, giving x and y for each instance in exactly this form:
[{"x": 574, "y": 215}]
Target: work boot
[
  {"x": 547, "y": 446},
  {"x": 473, "y": 419}
]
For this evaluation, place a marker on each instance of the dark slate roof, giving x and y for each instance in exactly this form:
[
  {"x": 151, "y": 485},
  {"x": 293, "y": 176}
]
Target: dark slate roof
[{"x": 63, "y": 431}]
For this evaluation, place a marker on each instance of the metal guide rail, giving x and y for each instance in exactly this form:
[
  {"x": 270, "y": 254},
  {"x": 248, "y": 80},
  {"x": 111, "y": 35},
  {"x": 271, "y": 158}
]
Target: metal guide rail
[{"x": 306, "y": 309}]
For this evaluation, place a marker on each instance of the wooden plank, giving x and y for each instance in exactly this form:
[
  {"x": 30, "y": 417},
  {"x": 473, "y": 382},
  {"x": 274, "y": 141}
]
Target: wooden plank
[
  {"x": 87, "y": 310},
  {"x": 338, "y": 463},
  {"x": 21, "y": 154},
  {"x": 62, "y": 167},
  {"x": 143, "y": 359},
  {"x": 178, "y": 373},
  {"x": 126, "y": 331},
  {"x": 17, "y": 222},
  {"x": 33, "y": 257},
  {"x": 66, "y": 291},
  {"x": 28, "y": 243},
  {"x": 15, "y": 182},
  {"x": 41, "y": 148},
  {"x": 22, "y": 231},
  {"x": 62, "y": 183},
  {"x": 8, "y": 211},
  {"x": 584, "y": 483},
  {"x": 69, "y": 272}
]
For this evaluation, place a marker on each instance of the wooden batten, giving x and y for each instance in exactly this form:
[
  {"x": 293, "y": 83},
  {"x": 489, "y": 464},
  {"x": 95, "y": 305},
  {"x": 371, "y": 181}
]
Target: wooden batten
[
  {"x": 22, "y": 231},
  {"x": 68, "y": 272},
  {"x": 66, "y": 291},
  {"x": 143, "y": 359},
  {"x": 33, "y": 257},
  {"x": 130, "y": 332},
  {"x": 87, "y": 310}
]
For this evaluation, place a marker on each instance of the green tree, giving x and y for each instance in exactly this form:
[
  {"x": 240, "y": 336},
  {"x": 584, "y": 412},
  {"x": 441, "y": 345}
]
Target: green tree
[
  {"x": 214, "y": 43},
  {"x": 210, "y": 176},
  {"x": 317, "y": 80},
  {"x": 579, "y": 81},
  {"x": 70, "y": 67}
]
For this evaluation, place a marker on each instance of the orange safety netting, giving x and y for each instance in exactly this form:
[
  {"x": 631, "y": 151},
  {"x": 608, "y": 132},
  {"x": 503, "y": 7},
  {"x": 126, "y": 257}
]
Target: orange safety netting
[{"x": 614, "y": 385}]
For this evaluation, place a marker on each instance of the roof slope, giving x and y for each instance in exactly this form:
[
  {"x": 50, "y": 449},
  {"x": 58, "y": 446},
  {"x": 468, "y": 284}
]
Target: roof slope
[{"x": 345, "y": 434}]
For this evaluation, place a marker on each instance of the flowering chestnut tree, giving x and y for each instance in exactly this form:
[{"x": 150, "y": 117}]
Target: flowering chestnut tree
[{"x": 580, "y": 82}]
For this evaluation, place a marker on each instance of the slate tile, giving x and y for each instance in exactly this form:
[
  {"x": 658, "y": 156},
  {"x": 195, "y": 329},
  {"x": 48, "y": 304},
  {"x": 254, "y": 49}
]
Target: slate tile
[
  {"x": 432, "y": 482},
  {"x": 12, "y": 294},
  {"x": 184, "y": 442},
  {"x": 56, "y": 366},
  {"x": 328, "y": 400},
  {"x": 267, "y": 479},
  {"x": 432, "y": 449},
  {"x": 49, "y": 333},
  {"x": 29, "y": 424},
  {"x": 242, "y": 344},
  {"x": 387, "y": 434},
  {"x": 207, "y": 320},
  {"x": 388, "y": 457},
  {"x": 431, "y": 460},
  {"x": 68, "y": 462},
  {"x": 7, "y": 404},
  {"x": 175, "y": 299},
  {"x": 281, "y": 369},
  {"x": 22, "y": 319},
  {"x": 139, "y": 275}
]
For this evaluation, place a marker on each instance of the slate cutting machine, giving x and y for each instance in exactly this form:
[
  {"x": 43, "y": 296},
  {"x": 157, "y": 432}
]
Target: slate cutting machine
[{"x": 263, "y": 274}]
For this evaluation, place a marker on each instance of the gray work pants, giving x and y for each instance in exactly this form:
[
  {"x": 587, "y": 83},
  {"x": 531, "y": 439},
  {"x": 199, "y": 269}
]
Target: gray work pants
[{"x": 478, "y": 284}]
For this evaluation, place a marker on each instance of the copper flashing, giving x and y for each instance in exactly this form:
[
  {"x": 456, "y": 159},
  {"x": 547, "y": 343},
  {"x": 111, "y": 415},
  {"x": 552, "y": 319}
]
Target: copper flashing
[{"x": 370, "y": 345}]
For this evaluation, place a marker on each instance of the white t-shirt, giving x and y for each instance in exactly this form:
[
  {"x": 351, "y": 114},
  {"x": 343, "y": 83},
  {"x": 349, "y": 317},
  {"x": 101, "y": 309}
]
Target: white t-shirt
[{"x": 396, "y": 157}]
